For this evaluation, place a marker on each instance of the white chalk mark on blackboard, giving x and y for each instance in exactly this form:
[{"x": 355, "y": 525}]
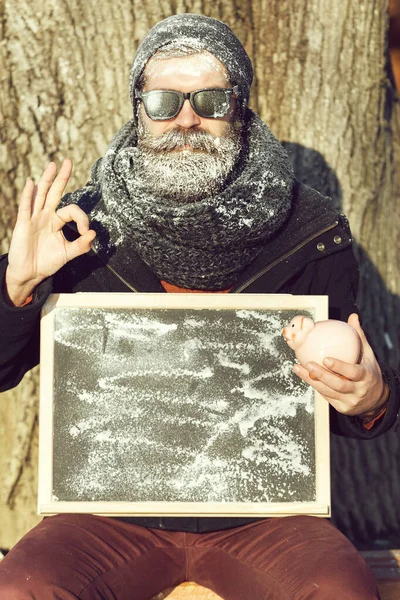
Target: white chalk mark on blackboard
[
  {"x": 225, "y": 361},
  {"x": 180, "y": 406}
]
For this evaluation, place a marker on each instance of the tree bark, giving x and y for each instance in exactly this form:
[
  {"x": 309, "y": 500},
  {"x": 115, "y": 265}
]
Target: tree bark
[{"x": 321, "y": 83}]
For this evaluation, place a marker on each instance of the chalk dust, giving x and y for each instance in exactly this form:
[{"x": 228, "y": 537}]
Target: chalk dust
[{"x": 180, "y": 405}]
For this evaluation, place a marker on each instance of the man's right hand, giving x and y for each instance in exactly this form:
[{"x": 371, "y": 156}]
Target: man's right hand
[{"x": 38, "y": 247}]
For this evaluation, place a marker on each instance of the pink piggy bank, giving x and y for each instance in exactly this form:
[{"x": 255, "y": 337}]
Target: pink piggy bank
[{"x": 316, "y": 341}]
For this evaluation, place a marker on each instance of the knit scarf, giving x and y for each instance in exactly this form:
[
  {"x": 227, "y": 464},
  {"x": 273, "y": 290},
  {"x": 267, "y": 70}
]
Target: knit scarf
[{"x": 200, "y": 245}]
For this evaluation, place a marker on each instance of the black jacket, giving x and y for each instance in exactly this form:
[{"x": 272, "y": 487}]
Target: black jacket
[{"x": 311, "y": 254}]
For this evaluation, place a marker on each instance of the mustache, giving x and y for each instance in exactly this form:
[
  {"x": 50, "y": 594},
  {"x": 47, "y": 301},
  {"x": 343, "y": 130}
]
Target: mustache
[{"x": 178, "y": 137}]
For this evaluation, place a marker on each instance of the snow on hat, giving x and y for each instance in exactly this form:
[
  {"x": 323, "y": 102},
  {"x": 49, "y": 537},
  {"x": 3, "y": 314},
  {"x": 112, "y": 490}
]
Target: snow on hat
[{"x": 204, "y": 33}]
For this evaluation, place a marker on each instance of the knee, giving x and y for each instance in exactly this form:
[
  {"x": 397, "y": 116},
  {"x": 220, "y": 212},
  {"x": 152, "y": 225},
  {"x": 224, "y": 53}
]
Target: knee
[
  {"x": 15, "y": 586},
  {"x": 353, "y": 583},
  {"x": 19, "y": 581},
  {"x": 328, "y": 590},
  {"x": 337, "y": 570},
  {"x": 13, "y": 591}
]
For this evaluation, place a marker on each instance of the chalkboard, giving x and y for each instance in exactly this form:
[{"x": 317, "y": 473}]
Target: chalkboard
[{"x": 178, "y": 404}]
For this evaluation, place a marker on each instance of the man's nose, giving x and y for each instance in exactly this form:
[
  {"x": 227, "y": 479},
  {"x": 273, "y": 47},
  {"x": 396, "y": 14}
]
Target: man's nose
[{"x": 187, "y": 117}]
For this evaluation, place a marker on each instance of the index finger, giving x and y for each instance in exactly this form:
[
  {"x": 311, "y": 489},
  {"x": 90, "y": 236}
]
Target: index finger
[
  {"x": 328, "y": 384},
  {"x": 59, "y": 184},
  {"x": 354, "y": 372}
]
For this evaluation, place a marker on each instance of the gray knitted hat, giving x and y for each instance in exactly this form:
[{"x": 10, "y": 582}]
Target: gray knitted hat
[{"x": 199, "y": 32}]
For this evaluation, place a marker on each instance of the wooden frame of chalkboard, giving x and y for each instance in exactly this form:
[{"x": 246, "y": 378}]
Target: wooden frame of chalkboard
[{"x": 179, "y": 405}]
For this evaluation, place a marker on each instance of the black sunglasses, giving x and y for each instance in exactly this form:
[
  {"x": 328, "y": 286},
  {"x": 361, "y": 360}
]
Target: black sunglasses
[{"x": 210, "y": 103}]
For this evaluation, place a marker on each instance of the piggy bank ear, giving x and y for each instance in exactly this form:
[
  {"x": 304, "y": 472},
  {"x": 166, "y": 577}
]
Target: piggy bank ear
[{"x": 307, "y": 324}]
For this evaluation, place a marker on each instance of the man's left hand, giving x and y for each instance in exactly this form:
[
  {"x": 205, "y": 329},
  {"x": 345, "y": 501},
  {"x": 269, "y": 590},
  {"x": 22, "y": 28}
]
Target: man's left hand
[{"x": 357, "y": 390}]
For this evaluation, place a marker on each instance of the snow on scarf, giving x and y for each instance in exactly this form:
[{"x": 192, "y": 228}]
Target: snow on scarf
[{"x": 199, "y": 245}]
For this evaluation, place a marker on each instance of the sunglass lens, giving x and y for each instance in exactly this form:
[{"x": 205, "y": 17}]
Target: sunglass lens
[
  {"x": 211, "y": 104},
  {"x": 161, "y": 105}
]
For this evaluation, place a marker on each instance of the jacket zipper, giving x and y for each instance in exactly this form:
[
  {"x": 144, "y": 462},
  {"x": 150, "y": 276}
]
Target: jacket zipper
[
  {"x": 278, "y": 260},
  {"x": 128, "y": 285}
]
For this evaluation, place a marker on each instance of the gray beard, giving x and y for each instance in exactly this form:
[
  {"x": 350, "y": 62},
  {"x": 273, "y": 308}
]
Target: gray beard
[{"x": 191, "y": 174}]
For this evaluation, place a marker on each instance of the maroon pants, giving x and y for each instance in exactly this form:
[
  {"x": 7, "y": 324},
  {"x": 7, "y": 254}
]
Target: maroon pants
[{"x": 95, "y": 558}]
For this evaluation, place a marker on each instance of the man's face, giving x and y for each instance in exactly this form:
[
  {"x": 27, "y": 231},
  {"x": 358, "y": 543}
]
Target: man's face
[
  {"x": 187, "y": 74},
  {"x": 188, "y": 157}
]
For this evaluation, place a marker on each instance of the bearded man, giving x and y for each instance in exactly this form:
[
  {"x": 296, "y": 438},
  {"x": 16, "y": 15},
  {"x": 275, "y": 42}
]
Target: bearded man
[{"x": 194, "y": 194}]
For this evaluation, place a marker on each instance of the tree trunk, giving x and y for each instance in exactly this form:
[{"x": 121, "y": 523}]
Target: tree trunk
[{"x": 322, "y": 85}]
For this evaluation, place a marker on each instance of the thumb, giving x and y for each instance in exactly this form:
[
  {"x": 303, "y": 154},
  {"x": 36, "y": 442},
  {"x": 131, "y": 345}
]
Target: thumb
[
  {"x": 81, "y": 245},
  {"x": 354, "y": 321}
]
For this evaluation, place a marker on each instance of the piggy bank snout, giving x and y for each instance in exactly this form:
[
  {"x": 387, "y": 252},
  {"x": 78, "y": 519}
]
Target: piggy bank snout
[
  {"x": 290, "y": 334},
  {"x": 298, "y": 328}
]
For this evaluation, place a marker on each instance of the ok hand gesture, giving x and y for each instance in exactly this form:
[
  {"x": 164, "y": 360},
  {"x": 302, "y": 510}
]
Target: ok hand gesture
[{"x": 38, "y": 247}]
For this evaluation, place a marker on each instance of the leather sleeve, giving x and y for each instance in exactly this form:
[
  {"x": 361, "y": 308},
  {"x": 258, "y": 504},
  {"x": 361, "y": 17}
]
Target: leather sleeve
[
  {"x": 20, "y": 328},
  {"x": 352, "y": 427}
]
